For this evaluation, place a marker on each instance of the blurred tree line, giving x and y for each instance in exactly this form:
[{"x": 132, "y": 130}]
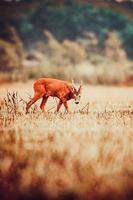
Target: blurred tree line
[
  {"x": 63, "y": 26},
  {"x": 70, "y": 20}
]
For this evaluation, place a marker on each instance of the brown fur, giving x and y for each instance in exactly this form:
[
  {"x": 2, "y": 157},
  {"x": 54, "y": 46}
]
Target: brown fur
[{"x": 46, "y": 87}]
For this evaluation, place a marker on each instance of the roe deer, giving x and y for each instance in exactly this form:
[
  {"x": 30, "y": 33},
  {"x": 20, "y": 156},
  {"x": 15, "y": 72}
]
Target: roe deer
[{"x": 46, "y": 87}]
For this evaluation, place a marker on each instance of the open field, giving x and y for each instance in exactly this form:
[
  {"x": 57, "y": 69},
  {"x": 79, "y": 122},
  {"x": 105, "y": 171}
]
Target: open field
[{"x": 85, "y": 155}]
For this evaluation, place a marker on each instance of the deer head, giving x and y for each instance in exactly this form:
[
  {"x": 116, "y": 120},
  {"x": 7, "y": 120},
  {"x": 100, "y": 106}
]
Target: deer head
[{"x": 77, "y": 92}]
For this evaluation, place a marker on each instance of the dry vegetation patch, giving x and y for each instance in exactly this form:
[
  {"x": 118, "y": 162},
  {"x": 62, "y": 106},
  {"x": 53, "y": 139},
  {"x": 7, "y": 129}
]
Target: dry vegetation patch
[{"x": 86, "y": 154}]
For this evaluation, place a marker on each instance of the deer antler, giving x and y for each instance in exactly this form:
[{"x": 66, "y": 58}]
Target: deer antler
[{"x": 80, "y": 87}]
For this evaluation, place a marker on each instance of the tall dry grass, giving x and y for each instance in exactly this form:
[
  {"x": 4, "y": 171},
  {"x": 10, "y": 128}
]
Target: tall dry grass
[{"x": 87, "y": 154}]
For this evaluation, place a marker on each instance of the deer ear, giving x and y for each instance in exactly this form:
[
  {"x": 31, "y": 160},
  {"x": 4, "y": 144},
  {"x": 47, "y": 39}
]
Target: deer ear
[
  {"x": 73, "y": 84},
  {"x": 73, "y": 89}
]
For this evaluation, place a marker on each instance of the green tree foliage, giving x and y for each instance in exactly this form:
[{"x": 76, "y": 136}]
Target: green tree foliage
[{"x": 71, "y": 20}]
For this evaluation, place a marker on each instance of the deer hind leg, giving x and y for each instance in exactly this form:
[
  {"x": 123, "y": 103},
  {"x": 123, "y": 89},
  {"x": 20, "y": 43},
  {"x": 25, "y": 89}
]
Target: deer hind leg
[
  {"x": 39, "y": 92},
  {"x": 32, "y": 101},
  {"x": 44, "y": 100},
  {"x": 59, "y": 105}
]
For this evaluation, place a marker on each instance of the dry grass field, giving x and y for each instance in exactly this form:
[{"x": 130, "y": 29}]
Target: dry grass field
[{"x": 86, "y": 154}]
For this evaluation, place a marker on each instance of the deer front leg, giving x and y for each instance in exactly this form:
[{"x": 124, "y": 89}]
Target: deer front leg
[
  {"x": 64, "y": 101},
  {"x": 44, "y": 100},
  {"x": 59, "y": 105}
]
